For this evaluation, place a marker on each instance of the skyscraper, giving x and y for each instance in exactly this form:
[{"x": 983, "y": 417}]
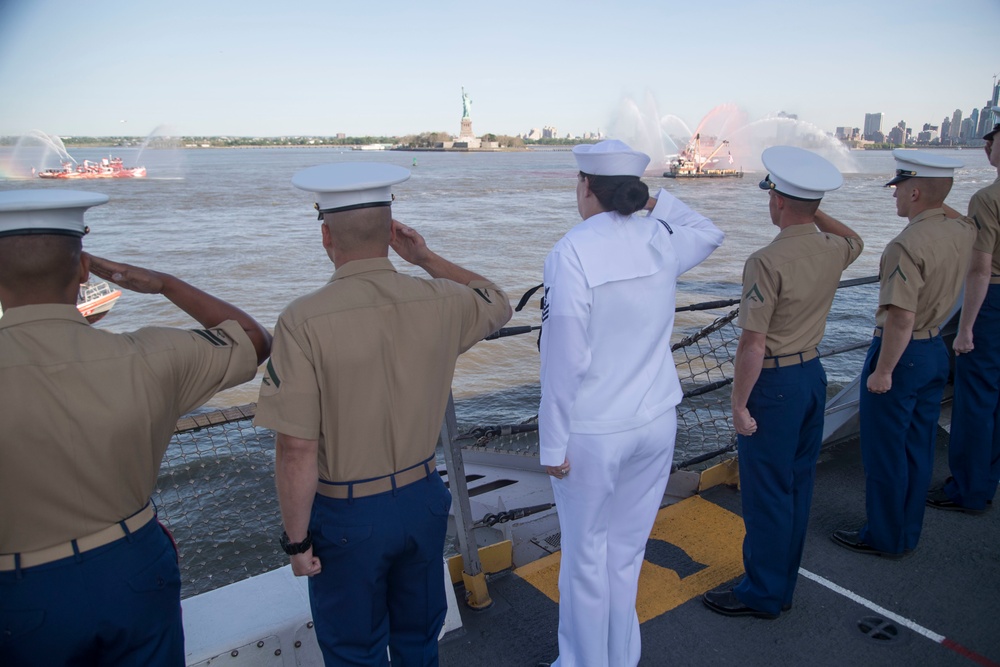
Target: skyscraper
[
  {"x": 968, "y": 129},
  {"x": 985, "y": 120},
  {"x": 897, "y": 135},
  {"x": 974, "y": 119},
  {"x": 873, "y": 125},
  {"x": 956, "y": 124}
]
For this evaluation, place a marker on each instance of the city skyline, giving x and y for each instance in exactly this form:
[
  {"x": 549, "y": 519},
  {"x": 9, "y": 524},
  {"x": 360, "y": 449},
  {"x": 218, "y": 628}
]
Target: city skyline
[
  {"x": 956, "y": 128},
  {"x": 252, "y": 69}
]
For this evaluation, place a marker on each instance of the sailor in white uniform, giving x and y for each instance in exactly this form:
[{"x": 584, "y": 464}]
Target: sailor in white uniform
[{"x": 609, "y": 389}]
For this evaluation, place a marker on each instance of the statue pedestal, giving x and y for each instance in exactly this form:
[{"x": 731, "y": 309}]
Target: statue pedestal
[
  {"x": 466, "y": 132},
  {"x": 466, "y": 139}
]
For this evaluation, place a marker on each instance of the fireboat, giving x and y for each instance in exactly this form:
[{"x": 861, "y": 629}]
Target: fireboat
[
  {"x": 691, "y": 164},
  {"x": 109, "y": 167}
]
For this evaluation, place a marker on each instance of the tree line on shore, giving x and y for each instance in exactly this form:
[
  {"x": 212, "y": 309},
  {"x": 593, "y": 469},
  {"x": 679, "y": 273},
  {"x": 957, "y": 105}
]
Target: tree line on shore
[{"x": 422, "y": 140}]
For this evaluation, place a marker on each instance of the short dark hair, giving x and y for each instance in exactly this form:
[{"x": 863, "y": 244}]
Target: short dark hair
[
  {"x": 361, "y": 227},
  {"x": 623, "y": 194},
  {"x": 802, "y": 206},
  {"x": 29, "y": 261}
]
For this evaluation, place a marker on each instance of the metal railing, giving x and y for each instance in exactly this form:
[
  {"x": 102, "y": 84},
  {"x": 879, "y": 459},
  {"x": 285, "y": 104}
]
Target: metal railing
[{"x": 216, "y": 485}]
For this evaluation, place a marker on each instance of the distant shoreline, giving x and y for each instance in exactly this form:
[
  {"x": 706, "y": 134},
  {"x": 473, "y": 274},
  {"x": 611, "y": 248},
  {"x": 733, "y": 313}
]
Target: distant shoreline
[
  {"x": 441, "y": 142},
  {"x": 203, "y": 143},
  {"x": 923, "y": 148},
  {"x": 344, "y": 148}
]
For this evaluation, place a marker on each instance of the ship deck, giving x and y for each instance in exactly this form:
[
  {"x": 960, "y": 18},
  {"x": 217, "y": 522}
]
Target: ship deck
[{"x": 938, "y": 606}]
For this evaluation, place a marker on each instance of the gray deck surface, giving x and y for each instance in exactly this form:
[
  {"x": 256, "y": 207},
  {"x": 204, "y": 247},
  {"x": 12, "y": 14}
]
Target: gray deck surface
[{"x": 950, "y": 585}]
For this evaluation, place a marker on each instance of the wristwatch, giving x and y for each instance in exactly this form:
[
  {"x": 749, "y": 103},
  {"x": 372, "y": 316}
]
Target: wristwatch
[{"x": 292, "y": 548}]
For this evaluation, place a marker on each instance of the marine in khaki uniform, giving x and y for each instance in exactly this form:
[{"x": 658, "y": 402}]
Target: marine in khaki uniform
[
  {"x": 779, "y": 386},
  {"x": 87, "y": 574},
  {"x": 356, "y": 390},
  {"x": 921, "y": 273},
  {"x": 974, "y": 448}
]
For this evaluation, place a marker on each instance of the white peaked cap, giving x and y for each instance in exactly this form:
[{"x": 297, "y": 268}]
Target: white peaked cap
[
  {"x": 798, "y": 173},
  {"x": 610, "y": 158},
  {"x": 344, "y": 186},
  {"x": 922, "y": 164},
  {"x": 48, "y": 211}
]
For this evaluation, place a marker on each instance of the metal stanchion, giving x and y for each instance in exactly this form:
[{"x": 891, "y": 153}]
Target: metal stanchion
[{"x": 477, "y": 595}]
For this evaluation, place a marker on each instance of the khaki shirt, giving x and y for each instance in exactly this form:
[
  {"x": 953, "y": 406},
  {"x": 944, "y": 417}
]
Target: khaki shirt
[
  {"x": 789, "y": 285},
  {"x": 984, "y": 209},
  {"x": 87, "y": 415},
  {"x": 923, "y": 268},
  {"x": 365, "y": 363}
]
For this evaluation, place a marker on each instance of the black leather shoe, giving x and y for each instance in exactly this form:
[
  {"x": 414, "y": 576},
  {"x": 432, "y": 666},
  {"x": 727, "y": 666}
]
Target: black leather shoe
[
  {"x": 939, "y": 499},
  {"x": 849, "y": 540},
  {"x": 727, "y": 604}
]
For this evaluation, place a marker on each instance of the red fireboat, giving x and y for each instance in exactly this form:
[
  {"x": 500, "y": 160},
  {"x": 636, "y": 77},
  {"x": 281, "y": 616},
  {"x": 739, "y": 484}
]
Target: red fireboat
[{"x": 109, "y": 167}]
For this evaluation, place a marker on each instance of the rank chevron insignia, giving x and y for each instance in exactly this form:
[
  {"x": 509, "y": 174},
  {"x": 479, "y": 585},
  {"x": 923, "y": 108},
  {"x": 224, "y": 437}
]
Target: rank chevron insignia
[
  {"x": 271, "y": 376},
  {"x": 899, "y": 271},
  {"x": 753, "y": 294}
]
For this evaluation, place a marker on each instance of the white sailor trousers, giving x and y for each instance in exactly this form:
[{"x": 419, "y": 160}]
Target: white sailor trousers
[{"x": 607, "y": 504}]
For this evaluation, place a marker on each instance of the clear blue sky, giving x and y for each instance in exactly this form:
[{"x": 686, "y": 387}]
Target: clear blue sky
[{"x": 390, "y": 67}]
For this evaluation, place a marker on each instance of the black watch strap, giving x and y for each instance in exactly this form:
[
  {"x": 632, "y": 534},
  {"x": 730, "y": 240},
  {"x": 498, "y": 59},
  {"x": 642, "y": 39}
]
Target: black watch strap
[{"x": 293, "y": 548}]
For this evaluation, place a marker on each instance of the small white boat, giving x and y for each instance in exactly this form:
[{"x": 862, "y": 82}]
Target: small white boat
[{"x": 95, "y": 300}]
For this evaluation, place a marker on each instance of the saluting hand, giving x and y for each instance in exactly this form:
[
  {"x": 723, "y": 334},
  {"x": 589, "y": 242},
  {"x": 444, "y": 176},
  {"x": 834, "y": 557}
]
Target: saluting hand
[
  {"x": 745, "y": 424},
  {"x": 409, "y": 244},
  {"x": 305, "y": 564},
  {"x": 134, "y": 278}
]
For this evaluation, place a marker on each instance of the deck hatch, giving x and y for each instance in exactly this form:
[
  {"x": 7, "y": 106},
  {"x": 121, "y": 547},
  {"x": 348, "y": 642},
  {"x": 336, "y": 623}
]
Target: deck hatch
[{"x": 550, "y": 543}]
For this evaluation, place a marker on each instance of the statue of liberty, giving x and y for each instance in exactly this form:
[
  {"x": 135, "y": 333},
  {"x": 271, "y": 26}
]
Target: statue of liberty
[{"x": 466, "y": 104}]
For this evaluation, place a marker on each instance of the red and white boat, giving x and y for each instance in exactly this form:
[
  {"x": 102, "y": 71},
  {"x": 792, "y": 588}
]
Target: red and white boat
[
  {"x": 94, "y": 300},
  {"x": 109, "y": 167}
]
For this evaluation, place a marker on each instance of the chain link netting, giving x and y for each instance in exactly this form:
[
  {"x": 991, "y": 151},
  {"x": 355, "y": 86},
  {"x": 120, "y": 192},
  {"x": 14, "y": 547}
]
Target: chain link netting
[
  {"x": 216, "y": 486},
  {"x": 704, "y": 362},
  {"x": 705, "y": 367},
  {"x": 216, "y": 494}
]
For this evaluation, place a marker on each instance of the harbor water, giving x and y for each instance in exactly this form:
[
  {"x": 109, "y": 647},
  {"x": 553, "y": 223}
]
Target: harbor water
[{"x": 230, "y": 222}]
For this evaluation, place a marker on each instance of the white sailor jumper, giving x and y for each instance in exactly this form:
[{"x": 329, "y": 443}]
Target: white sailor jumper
[{"x": 609, "y": 388}]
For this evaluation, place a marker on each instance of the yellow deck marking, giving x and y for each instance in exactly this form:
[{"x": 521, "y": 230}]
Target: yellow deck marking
[
  {"x": 709, "y": 534},
  {"x": 543, "y": 574}
]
